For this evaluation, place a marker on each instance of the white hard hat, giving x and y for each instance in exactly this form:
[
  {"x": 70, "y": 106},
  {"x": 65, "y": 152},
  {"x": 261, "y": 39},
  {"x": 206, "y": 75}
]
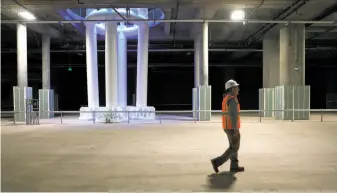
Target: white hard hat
[{"x": 231, "y": 83}]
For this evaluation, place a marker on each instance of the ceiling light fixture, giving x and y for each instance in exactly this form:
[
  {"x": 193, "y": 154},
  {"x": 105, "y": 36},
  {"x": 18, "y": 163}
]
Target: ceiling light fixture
[
  {"x": 26, "y": 15},
  {"x": 238, "y": 15}
]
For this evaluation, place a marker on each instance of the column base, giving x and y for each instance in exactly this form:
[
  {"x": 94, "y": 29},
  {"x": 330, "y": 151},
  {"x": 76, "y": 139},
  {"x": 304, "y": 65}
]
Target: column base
[
  {"x": 46, "y": 103},
  {"x": 267, "y": 102},
  {"x": 290, "y": 100},
  {"x": 20, "y": 96},
  {"x": 117, "y": 114},
  {"x": 202, "y": 103},
  {"x": 285, "y": 102}
]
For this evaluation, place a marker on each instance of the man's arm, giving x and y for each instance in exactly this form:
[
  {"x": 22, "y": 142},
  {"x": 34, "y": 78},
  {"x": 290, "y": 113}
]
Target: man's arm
[{"x": 233, "y": 113}]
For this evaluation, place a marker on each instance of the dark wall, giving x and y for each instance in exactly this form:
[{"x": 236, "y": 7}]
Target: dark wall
[{"x": 168, "y": 88}]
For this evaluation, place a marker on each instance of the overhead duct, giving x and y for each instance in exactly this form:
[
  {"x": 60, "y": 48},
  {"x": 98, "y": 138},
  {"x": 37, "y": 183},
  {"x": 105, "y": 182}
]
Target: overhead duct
[{"x": 296, "y": 5}]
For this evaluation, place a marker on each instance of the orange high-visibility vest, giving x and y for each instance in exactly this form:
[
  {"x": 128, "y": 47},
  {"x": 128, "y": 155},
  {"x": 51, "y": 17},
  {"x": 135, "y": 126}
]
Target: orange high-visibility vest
[{"x": 226, "y": 121}]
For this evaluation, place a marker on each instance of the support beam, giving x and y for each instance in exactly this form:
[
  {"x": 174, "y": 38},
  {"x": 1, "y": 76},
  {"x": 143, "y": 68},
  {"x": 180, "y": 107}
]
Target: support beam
[
  {"x": 142, "y": 65},
  {"x": 111, "y": 69},
  {"x": 22, "y": 74}
]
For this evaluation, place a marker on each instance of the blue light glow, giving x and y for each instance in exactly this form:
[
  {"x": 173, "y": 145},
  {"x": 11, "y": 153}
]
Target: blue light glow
[{"x": 130, "y": 29}]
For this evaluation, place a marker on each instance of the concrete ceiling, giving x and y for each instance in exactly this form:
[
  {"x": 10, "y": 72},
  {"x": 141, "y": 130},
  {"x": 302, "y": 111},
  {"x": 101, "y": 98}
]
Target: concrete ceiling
[
  {"x": 220, "y": 34},
  {"x": 50, "y": 4}
]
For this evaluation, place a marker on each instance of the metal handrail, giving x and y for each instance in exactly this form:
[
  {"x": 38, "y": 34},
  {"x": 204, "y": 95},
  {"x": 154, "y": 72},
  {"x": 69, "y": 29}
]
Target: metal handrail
[
  {"x": 184, "y": 111},
  {"x": 160, "y": 113}
]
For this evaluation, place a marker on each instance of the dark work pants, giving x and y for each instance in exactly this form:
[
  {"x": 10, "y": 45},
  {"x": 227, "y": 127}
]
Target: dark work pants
[{"x": 232, "y": 152}]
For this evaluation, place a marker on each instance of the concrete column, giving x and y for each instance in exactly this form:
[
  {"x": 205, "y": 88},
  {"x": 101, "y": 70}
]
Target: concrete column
[
  {"x": 197, "y": 60},
  {"x": 45, "y": 61},
  {"x": 142, "y": 64},
  {"x": 271, "y": 61},
  {"x": 292, "y": 55},
  {"x": 122, "y": 69},
  {"x": 92, "y": 70},
  {"x": 22, "y": 75},
  {"x": 205, "y": 53},
  {"x": 46, "y": 95},
  {"x": 111, "y": 69}
]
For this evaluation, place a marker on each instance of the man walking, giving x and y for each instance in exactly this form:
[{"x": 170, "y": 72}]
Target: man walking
[{"x": 231, "y": 126}]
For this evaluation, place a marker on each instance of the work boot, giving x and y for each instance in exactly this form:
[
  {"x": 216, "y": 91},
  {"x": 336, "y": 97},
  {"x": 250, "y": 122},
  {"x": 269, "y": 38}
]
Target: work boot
[
  {"x": 237, "y": 169},
  {"x": 215, "y": 168},
  {"x": 235, "y": 166}
]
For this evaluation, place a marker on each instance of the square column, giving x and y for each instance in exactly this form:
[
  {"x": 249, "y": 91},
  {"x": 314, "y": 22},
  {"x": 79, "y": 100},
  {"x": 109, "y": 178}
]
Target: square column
[
  {"x": 284, "y": 75},
  {"x": 46, "y": 95},
  {"x": 292, "y": 55},
  {"x": 271, "y": 61},
  {"x": 284, "y": 57}
]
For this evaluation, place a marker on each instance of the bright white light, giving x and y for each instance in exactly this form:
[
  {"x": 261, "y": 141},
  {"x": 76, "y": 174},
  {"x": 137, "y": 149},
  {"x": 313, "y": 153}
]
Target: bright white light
[
  {"x": 26, "y": 15},
  {"x": 238, "y": 15}
]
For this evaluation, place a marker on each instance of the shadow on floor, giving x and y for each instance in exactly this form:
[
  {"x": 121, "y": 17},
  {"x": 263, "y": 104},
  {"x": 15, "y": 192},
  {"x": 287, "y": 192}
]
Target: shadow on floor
[{"x": 221, "y": 180}]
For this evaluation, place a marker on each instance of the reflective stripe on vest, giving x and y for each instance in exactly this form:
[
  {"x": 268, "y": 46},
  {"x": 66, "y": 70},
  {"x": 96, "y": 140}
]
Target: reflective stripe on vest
[{"x": 226, "y": 121}]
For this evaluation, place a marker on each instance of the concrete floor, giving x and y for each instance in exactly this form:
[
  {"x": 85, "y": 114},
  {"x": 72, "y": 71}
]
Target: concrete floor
[{"x": 173, "y": 156}]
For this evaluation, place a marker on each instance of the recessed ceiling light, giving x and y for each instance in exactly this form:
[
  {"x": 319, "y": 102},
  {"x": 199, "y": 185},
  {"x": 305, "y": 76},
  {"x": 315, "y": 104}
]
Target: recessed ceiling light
[
  {"x": 26, "y": 15},
  {"x": 238, "y": 15}
]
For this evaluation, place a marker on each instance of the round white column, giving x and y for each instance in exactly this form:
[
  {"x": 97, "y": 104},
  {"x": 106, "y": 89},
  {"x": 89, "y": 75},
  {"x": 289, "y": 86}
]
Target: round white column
[
  {"x": 205, "y": 53},
  {"x": 45, "y": 61},
  {"x": 122, "y": 69},
  {"x": 92, "y": 69},
  {"x": 111, "y": 70},
  {"x": 142, "y": 64},
  {"x": 22, "y": 74}
]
